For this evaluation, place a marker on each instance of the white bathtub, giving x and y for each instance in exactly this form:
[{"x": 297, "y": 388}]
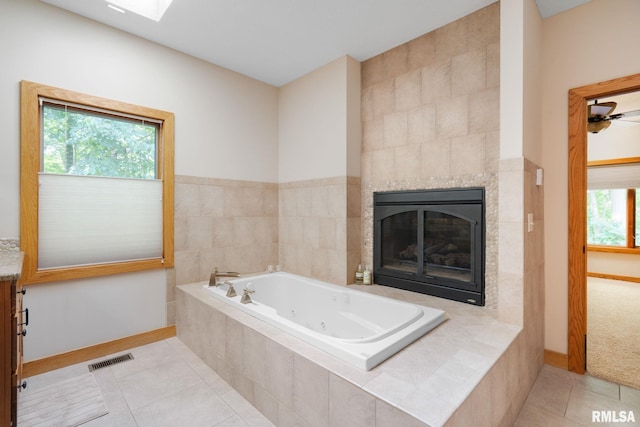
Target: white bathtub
[{"x": 357, "y": 327}]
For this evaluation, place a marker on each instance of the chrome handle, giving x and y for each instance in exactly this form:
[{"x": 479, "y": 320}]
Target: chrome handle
[{"x": 23, "y": 333}]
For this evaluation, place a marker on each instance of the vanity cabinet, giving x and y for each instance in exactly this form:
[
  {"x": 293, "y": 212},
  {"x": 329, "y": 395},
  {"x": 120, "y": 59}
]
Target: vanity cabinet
[{"x": 12, "y": 331}]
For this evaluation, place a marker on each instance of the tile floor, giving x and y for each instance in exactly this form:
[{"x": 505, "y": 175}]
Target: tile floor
[{"x": 167, "y": 385}]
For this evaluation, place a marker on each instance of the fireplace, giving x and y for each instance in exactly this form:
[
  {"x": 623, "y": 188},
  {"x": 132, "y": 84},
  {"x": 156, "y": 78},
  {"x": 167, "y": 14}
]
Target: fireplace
[{"x": 431, "y": 241}]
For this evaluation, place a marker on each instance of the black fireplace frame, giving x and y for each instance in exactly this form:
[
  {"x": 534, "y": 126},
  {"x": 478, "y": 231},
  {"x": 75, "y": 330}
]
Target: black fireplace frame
[{"x": 467, "y": 203}]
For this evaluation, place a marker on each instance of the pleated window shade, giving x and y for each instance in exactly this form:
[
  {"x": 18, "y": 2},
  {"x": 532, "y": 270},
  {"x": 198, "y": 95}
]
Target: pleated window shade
[
  {"x": 93, "y": 220},
  {"x": 621, "y": 176}
]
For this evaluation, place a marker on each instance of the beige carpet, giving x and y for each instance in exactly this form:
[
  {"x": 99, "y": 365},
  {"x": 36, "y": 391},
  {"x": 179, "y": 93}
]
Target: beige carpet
[
  {"x": 70, "y": 402},
  {"x": 613, "y": 331}
]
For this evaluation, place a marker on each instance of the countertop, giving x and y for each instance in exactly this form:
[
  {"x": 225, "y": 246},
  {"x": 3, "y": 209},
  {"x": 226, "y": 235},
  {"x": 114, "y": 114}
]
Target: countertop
[{"x": 10, "y": 265}]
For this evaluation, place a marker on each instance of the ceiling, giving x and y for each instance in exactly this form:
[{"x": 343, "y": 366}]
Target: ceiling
[{"x": 277, "y": 41}]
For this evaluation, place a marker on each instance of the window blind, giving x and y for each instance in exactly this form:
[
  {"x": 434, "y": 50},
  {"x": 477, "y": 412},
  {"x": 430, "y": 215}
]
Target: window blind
[
  {"x": 94, "y": 220},
  {"x": 613, "y": 176}
]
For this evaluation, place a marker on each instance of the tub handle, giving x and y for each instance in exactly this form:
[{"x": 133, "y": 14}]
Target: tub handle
[{"x": 246, "y": 297}]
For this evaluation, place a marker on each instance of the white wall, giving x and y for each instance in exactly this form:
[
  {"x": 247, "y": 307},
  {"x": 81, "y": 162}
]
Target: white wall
[
  {"x": 226, "y": 127},
  {"x": 575, "y": 54},
  {"x": 316, "y": 123}
]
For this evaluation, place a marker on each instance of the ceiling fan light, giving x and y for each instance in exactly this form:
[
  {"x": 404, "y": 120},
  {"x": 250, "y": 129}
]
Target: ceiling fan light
[{"x": 603, "y": 109}]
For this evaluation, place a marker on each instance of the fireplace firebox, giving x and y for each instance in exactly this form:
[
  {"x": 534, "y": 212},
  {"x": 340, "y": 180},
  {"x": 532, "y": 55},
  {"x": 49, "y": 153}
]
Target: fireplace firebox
[{"x": 431, "y": 241}]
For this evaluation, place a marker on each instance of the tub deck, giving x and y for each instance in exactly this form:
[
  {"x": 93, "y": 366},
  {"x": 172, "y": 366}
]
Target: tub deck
[
  {"x": 357, "y": 327},
  {"x": 426, "y": 383}
]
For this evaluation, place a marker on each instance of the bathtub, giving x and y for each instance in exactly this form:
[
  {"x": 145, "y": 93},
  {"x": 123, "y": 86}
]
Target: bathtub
[{"x": 360, "y": 328}]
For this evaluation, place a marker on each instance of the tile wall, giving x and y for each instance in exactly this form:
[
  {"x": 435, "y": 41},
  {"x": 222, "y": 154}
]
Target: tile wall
[
  {"x": 232, "y": 225},
  {"x": 320, "y": 228},
  {"x": 430, "y": 119}
]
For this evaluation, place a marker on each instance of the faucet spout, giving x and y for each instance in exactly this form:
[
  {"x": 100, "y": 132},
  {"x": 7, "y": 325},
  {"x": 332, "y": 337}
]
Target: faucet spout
[{"x": 213, "y": 279}]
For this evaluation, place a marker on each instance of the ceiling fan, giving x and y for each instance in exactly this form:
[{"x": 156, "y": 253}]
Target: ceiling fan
[{"x": 600, "y": 116}]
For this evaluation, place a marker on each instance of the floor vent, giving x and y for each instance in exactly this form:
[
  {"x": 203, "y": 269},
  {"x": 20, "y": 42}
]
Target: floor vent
[{"x": 109, "y": 362}]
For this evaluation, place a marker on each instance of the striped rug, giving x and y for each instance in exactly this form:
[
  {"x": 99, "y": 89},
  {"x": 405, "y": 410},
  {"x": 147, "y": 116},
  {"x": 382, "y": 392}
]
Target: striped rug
[{"x": 70, "y": 402}]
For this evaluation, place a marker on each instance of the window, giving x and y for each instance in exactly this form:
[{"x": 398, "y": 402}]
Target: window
[
  {"x": 613, "y": 205},
  {"x": 96, "y": 185}
]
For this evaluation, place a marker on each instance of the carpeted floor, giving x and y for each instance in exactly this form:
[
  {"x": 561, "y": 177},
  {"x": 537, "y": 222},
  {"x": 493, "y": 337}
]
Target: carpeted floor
[
  {"x": 613, "y": 331},
  {"x": 71, "y": 402}
]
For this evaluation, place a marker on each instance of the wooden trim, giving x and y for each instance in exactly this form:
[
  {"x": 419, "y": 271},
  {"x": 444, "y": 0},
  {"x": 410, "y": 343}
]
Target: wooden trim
[
  {"x": 611, "y": 162},
  {"x": 30, "y": 166},
  {"x": 46, "y": 364},
  {"x": 614, "y": 277},
  {"x": 613, "y": 249},
  {"x": 577, "y": 230},
  {"x": 577, "y": 171},
  {"x": 631, "y": 218},
  {"x": 559, "y": 360}
]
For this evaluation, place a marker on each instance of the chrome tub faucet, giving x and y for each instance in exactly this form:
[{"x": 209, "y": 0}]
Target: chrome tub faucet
[{"x": 213, "y": 279}]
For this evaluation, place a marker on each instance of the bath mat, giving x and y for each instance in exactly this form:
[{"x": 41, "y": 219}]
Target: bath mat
[
  {"x": 71, "y": 402},
  {"x": 613, "y": 331}
]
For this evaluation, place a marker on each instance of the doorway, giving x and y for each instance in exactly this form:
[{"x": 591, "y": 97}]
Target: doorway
[{"x": 577, "y": 243}]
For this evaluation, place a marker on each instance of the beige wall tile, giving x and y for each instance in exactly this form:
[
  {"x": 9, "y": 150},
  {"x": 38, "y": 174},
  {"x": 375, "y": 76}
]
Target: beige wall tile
[
  {"x": 468, "y": 154},
  {"x": 350, "y": 405},
  {"x": 373, "y": 133},
  {"x": 211, "y": 198},
  {"x": 255, "y": 351},
  {"x": 395, "y": 129},
  {"x": 421, "y": 126},
  {"x": 452, "y": 39},
  {"x": 451, "y": 117},
  {"x": 483, "y": 106},
  {"x": 327, "y": 233},
  {"x": 493, "y": 65},
  {"x": 422, "y": 51},
  {"x": 407, "y": 161},
  {"x": 310, "y": 392},
  {"x": 436, "y": 81},
  {"x": 408, "y": 90},
  {"x": 484, "y": 26},
  {"x": 279, "y": 376},
  {"x": 469, "y": 72},
  {"x": 383, "y": 99}
]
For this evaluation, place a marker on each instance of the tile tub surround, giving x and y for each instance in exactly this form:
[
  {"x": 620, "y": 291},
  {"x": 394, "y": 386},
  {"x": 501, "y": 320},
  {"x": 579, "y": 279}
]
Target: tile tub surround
[
  {"x": 229, "y": 224},
  {"x": 470, "y": 361},
  {"x": 320, "y": 228}
]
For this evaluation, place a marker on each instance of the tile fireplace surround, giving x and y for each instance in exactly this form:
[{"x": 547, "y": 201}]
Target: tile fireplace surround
[{"x": 448, "y": 377}]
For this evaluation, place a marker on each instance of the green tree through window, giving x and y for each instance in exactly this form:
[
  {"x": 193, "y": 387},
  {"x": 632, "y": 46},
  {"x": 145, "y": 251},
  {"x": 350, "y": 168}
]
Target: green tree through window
[{"x": 80, "y": 142}]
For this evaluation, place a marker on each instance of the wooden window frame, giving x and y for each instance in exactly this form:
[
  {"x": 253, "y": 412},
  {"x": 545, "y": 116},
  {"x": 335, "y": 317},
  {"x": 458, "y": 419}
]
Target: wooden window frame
[{"x": 30, "y": 160}]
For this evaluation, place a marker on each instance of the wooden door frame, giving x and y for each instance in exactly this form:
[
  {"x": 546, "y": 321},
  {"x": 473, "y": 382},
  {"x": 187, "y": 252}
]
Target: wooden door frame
[{"x": 578, "y": 98}]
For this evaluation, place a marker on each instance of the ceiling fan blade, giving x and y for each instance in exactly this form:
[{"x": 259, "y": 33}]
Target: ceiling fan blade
[{"x": 629, "y": 114}]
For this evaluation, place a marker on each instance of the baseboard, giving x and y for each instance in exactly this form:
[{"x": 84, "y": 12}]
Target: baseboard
[
  {"x": 556, "y": 359},
  {"x": 615, "y": 277},
  {"x": 57, "y": 361}
]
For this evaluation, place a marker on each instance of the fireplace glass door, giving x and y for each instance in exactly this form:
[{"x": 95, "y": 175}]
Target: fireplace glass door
[
  {"x": 399, "y": 242},
  {"x": 447, "y": 246}
]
